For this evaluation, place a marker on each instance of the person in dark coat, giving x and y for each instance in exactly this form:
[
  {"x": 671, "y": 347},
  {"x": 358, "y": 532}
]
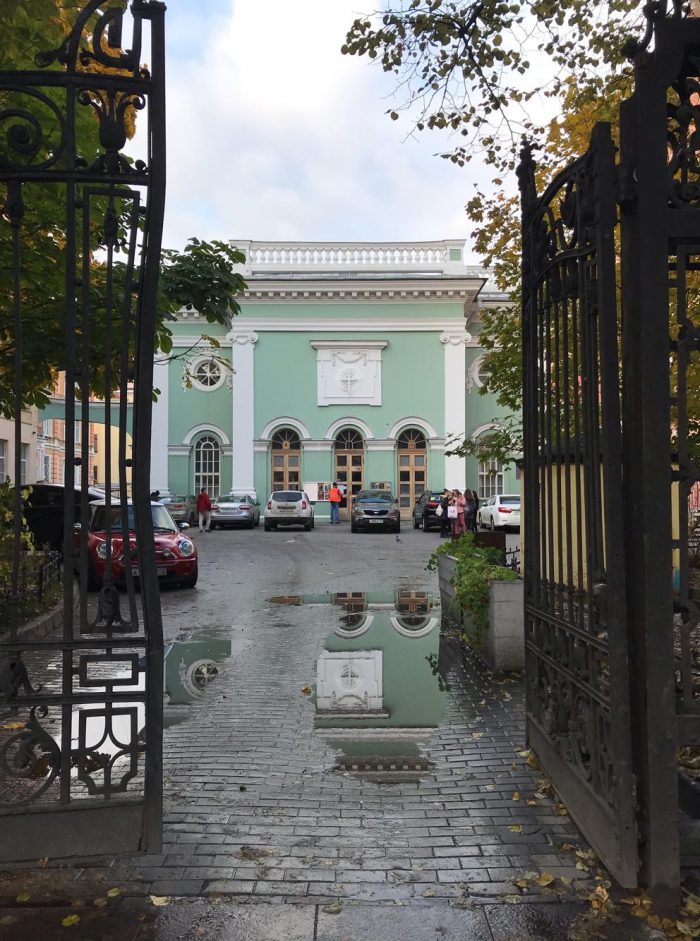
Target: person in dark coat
[{"x": 445, "y": 522}]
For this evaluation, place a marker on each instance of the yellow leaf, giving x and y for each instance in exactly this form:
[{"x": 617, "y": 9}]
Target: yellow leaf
[
  {"x": 100, "y": 902},
  {"x": 524, "y": 754},
  {"x": 23, "y": 897},
  {"x": 8, "y": 920},
  {"x": 511, "y": 899},
  {"x": 428, "y": 893},
  {"x": 516, "y": 828},
  {"x": 113, "y": 893},
  {"x": 654, "y": 921},
  {"x": 516, "y": 795},
  {"x": 545, "y": 879},
  {"x": 160, "y": 900},
  {"x": 477, "y": 734},
  {"x": 567, "y": 847},
  {"x": 43, "y": 863},
  {"x": 522, "y": 883},
  {"x": 13, "y": 726},
  {"x": 532, "y": 803},
  {"x": 306, "y": 690},
  {"x": 532, "y": 760},
  {"x": 602, "y": 893},
  {"x": 561, "y": 810},
  {"x": 70, "y": 920}
]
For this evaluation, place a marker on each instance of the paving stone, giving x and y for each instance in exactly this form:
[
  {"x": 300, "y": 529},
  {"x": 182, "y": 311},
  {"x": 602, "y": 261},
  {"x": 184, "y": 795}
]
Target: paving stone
[{"x": 398, "y": 924}]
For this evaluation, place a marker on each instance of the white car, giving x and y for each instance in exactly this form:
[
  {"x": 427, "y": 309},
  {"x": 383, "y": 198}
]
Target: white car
[
  {"x": 289, "y": 508},
  {"x": 500, "y": 512}
]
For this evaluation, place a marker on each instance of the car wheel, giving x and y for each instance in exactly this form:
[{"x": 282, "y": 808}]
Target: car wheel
[
  {"x": 257, "y": 520},
  {"x": 267, "y": 526},
  {"x": 425, "y": 526},
  {"x": 416, "y": 525},
  {"x": 192, "y": 519},
  {"x": 191, "y": 580},
  {"x": 313, "y": 522},
  {"x": 353, "y": 528},
  {"x": 492, "y": 525},
  {"x": 93, "y": 582},
  {"x": 398, "y": 528},
  {"x": 250, "y": 524},
  {"x": 307, "y": 526}
]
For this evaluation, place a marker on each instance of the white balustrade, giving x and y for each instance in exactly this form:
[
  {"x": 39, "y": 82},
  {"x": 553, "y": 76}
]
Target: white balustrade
[{"x": 377, "y": 256}]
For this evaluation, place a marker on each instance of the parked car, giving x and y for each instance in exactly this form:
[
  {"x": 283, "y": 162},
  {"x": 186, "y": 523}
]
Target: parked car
[
  {"x": 235, "y": 509},
  {"x": 43, "y": 510},
  {"x": 182, "y": 508},
  {"x": 500, "y": 512},
  {"x": 176, "y": 554},
  {"x": 289, "y": 508},
  {"x": 424, "y": 511},
  {"x": 375, "y": 509}
]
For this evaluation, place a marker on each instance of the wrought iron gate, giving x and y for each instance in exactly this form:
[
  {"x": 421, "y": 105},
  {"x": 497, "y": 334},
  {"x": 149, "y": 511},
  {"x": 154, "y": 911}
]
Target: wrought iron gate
[
  {"x": 81, "y": 704},
  {"x": 612, "y": 451},
  {"x": 578, "y": 711}
]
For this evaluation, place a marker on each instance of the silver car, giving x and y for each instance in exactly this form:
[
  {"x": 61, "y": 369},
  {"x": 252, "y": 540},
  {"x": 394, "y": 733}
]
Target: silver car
[
  {"x": 182, "y": 508},
  {"x": 375, "y": 509},
  {"x": 288, "y": 508},
  {"x": 235, "y": 509}
]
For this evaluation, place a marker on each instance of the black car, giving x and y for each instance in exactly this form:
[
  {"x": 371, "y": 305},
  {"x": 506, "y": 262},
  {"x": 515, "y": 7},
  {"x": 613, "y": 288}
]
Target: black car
[
  {"x": 424, "y": 511},
  {"x": 43, "y": 510}
]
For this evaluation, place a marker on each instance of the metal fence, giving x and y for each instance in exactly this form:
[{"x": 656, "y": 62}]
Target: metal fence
[{"x": 39, "y": 579}]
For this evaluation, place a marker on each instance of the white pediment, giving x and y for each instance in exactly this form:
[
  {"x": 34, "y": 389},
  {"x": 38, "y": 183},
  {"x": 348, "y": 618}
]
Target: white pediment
[{"x": 349, "y": 372}]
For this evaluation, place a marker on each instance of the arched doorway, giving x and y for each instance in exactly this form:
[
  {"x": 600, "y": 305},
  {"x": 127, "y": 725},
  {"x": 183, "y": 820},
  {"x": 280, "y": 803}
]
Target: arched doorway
[
  {"x": 349, "y": 465},
  {"x": 286, "y": 460},
  {"x": 412, "y": 454},
  {"x": 207, "y": 465}
]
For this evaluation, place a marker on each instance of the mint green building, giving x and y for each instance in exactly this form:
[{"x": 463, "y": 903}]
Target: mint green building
[{"x": 355, "y": 362}]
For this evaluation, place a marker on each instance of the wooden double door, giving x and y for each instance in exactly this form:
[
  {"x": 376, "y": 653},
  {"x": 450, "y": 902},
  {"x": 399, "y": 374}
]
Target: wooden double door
[{"x": 349, "y": 467}]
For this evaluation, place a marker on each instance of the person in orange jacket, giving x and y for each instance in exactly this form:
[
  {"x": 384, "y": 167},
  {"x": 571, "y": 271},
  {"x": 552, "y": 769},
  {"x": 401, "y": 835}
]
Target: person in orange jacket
[{"x": 335, "y": 496}]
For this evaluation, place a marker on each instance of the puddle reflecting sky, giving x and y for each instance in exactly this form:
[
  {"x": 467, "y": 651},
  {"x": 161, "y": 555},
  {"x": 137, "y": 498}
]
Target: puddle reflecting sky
[{"x": 380, "y": 688}]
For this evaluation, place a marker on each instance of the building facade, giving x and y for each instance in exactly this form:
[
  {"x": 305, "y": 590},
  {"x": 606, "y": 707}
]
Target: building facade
[{"x": 348, "y": 362}]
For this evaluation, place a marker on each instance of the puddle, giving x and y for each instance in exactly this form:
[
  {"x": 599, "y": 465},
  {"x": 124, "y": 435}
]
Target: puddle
[{"x": 380, "y": 686}]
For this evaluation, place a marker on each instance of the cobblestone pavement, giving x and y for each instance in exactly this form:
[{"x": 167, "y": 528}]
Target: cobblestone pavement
[{"x": 262, "y": 804}]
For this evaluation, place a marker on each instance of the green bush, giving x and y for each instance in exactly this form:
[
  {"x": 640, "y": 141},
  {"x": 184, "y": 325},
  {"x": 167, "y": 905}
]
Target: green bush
[{"x": 476, "y": 567}]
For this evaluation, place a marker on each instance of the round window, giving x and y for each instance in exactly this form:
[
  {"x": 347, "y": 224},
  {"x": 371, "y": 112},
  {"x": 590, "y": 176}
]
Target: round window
[{"x": 207, "y": 374}]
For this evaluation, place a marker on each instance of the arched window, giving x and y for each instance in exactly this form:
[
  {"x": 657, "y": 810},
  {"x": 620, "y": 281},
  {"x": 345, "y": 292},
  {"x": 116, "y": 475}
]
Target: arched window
[
  {"x": 207, "y": 465},
  {"x": 286, "y": 460},
  {"x": 412, "y": 453},
  {"x": 349, "y": 463}
]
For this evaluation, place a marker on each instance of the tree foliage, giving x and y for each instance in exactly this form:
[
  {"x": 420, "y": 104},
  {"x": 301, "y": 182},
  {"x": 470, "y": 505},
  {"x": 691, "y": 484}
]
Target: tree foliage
[
  {"x": 489, "y": 72},
  {"x": 202, "y": 276}
]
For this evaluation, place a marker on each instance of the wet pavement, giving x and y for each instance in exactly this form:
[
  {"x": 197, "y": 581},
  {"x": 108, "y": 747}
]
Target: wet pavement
[{"x": 334, "y": 763}]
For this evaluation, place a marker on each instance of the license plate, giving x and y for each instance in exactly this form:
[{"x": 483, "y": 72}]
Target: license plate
[
  {"x": 285, "y": 509},
  {"x": 160, "y": 570},
  {"x": 376, "y": 521}
]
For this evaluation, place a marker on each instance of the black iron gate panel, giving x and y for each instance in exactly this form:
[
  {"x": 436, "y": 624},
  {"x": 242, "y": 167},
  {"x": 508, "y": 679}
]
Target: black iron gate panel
[
  {"x": 578, "y": 708},
  {"x": 81, "y": 702}
]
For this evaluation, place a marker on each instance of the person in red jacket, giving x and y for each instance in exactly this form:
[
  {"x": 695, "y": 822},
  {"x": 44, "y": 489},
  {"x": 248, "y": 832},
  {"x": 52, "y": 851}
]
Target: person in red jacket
[{"x": 204, "y": 510}]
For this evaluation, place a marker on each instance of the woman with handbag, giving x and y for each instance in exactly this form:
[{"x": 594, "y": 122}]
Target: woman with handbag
[
  {"x": 445, "y": 521},
  {"x": 456, "y": 513}
]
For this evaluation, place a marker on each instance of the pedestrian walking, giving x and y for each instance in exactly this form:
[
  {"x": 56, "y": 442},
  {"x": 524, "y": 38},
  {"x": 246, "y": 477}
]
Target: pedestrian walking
[
  {"x": 445, "y": 521},
  {"x": 155, "y": 496},
  {"x": 459, "y": 524},
  {"x": 335, "y": 497},
  {"x": 204, "y": 510}
]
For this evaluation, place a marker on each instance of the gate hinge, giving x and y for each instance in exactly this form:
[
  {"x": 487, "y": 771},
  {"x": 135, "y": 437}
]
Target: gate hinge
[{"x": 626, "y": 186}]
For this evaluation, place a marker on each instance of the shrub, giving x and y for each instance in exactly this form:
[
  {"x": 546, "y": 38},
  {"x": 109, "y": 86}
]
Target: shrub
[{"x": 476, "y": 567}]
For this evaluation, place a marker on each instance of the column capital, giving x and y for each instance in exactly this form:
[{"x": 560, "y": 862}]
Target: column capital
[
  {"x": 455, "y": 337},
  {"x": 241, "y": 337}
]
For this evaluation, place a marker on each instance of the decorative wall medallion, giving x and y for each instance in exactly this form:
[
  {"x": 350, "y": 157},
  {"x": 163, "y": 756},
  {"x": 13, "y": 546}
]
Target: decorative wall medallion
[
  {"x": 349, "y": 681},
  {"x": 349, "y": 371}
]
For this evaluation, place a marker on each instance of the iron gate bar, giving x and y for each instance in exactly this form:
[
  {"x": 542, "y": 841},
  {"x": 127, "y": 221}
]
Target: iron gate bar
[
  {"x": 107, "y": 186},
  {"x": 577, "y": 672}
]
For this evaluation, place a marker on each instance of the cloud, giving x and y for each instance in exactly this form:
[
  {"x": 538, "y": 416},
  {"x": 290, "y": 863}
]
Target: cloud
[{"x": 273, "y": 134}]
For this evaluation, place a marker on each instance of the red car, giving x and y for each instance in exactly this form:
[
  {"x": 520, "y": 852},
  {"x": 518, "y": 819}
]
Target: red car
[{"x": 176, "y": 554}]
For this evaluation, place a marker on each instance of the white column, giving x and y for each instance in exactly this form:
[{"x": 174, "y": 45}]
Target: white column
[
  {"x": 243, "y": 361},
  {"x": 454, "y": 343},
  {"x": 159, "y": 430}
]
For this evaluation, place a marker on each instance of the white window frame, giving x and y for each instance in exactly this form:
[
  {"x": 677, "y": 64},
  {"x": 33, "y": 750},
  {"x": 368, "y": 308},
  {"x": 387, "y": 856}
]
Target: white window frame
[
  {"x": 490, "y": 478},
  {"x": 207, "y": 475},
  {"x": 199, "y": 361},
  {"x": 23, "y": 461},
  {"x": 3, "y": 460}
]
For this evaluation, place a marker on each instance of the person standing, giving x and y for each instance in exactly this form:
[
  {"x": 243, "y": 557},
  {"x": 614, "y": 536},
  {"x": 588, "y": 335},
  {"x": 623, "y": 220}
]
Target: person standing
[
  {"x": 445, "y": 521},
  {"x": 204, "y": 510},
  {"x": 460, "y": 525},
  {"x": 471, "y": 504},
  {"x": 335, "y": 497}
]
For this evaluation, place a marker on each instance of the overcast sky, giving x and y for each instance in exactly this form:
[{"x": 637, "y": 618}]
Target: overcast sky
[{"x": 273, "y": 134}]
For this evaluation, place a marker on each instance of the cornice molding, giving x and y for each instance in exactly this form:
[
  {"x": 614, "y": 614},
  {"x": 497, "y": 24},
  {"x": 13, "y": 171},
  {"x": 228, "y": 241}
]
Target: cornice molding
[
  {"x": 342, "y": 290},
  {"x": 454, "y": 338}
]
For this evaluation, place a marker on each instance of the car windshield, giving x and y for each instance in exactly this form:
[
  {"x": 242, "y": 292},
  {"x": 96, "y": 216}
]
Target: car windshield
[
  {"x": 435, "y": 495},
  {"x": 287, "y": 496},
  {"x": 374, "y": 496},
  {"x": 166, "y": 500},
  {"x": 234, "y": 498},
  {"x": 510, "y": 500},
  {"x": 162, "y": 520}
]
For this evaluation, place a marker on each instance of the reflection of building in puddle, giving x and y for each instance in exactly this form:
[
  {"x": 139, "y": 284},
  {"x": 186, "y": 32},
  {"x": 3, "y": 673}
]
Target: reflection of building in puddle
[
  {"x": 191, "y": 665},
  {"x": 377, "y": 698}
]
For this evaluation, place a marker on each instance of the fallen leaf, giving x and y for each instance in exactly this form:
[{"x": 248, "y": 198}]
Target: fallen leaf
[
  {"x": 70, "y": 920},
  {"x": 428, "y": 893},
  {"x": 8, "y": 920},
  {"x": 477, "y": 734},
  {"x": 560, "y": 810},
  {"x": 100, "y": 902},
  {"x": 13, "y": 726},
  {"x": 567, "y": 847},
  {"x": 113, "y": 893},
  {"x": 306, "y": 690},
  {"x": 531, "y": 803},
  {"x": 160, "y": 900},
  {"x": 523, "y": 883},
  {"x": 516, "y": 828},
  {"x": 545, "y": 879},
  {"x": 333, "y": 908},
  {"x": 512, "y": 899},
  {"x": 23, "y": 897},
  {"x": 43, "y": 863},
  {"x": 523, "y": 754},
  {"x": 516, "y": 795}
]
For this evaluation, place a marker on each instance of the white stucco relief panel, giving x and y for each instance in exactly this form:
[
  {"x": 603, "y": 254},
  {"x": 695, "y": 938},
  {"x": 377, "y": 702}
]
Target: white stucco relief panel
[
  {"x": 349, "y": 681},
  {"x": 349, "y": 373}
]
